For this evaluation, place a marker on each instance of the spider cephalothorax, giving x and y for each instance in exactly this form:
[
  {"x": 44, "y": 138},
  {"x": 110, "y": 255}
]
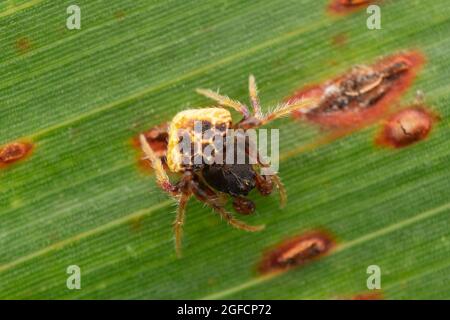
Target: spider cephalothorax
[{"x": 213, "y": 181}]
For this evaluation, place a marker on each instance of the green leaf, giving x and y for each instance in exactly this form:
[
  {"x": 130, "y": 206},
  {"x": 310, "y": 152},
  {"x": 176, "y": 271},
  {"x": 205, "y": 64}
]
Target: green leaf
[{"x": 81, "y": 198}]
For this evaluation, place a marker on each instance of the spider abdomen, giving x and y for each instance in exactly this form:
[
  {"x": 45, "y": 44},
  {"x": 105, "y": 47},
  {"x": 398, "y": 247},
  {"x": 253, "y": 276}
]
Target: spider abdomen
[{"x": 235, "y": 179}]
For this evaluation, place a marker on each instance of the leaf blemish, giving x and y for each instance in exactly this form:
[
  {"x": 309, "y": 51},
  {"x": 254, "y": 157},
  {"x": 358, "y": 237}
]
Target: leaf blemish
[
  {"x": 14, "y": 152},
  {"x": 342, "y": 7},
  {"x": 23, "y": 45},
  {"x": 339, "y": 40},
  {"x": 368, "y": 296},
  {"x": 406, "y": 127},
  {"x": 136, "y": 224},
  {"x": 157, "y": 139},
  {"x": 119, "y": 15},
  {"x": 362, "y": 95},
  {"x": 296, "y": 251}
]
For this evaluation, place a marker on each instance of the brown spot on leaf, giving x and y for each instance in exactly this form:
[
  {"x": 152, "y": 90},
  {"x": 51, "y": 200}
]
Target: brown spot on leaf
[
  {"x": 157, "y": 139},
  {"x": 368, "y": 296},
  {"x": 23, "y": 45},
  {"x": 14, "y": 152},
  {"x": 119, "y": 15},
  {"x": 339, "y": 40},
  {"x": 406, "y": 127},
  {"x": 342, "y": 7},
  {"x": 296, "y": 251},
  {"x": 361, "y": 95}
]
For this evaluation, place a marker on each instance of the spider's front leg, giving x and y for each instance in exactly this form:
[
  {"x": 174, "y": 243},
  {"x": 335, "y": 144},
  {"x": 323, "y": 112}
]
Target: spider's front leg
[
  {"x": 161, "y": 175},
  {"x": 181, "y": 191},
  {"x": 254, "y": 99},
  {"x": 185, "y": 192},
  {"x": 259, "y": 119},
  {"x": 282, "y": 110},
  {"x": 225, "y": 101}
]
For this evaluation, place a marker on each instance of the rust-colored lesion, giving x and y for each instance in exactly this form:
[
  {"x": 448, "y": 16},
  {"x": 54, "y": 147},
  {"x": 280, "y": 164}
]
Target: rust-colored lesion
[
  {"x": 23, "y": 45},
  {"x": 376, "y": 295},
  {"x": 339, "y": 40},
  {"x": 362, "y": 95},
  {"x": 157, "y": 137},
  {"x": 296, "y": 251},
  {"x": 343, "y": 7},
  {"x": 14, "y": 152},
  {"x": 406, "y": 127}
]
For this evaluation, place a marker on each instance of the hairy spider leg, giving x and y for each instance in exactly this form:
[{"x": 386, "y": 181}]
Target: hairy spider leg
[
  {"x": 254, "y": 99},
  {"x": 180, "y": 192},
  {"x": 225, "y": 101},
  {"x": 179, "y": 221},
  {"x": 282, "y": 110},
  {"x": 258, "y": 118},
  {"x": 161, "y": 175},
  {"x": 264, "y": 183},
  {"x": 243, "y": 205},
  {"x": 281, "y": 189},
  {"x": 203, "y": 194}
]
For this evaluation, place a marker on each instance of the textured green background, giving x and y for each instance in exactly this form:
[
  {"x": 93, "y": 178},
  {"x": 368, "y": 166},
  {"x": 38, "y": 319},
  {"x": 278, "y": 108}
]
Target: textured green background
[{"x": 81, "y": 199}]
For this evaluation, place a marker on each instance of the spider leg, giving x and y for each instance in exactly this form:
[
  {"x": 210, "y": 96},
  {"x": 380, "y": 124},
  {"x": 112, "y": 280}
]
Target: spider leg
[
  {"x": 202, "y": 191},
  {"x": 235, "y": 222},
  {"x": 303, "y": 105},
  {"x": 281, "y": 189},
  {"x": 225, "y": 101},
  {"x": 243, "y": 205},
  {"x": 265, "y": 183},
  {"x": 181, "y": 194},
  {"x": 253, "y": 90},
  {"x": 179, "y": 221},
  {"x": 161, "y": 176}
]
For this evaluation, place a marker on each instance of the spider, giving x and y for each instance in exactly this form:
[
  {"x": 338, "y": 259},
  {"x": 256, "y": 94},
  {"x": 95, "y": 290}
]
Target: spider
[{"x": 214, "y": 183}]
